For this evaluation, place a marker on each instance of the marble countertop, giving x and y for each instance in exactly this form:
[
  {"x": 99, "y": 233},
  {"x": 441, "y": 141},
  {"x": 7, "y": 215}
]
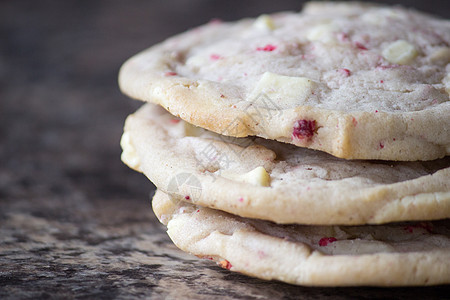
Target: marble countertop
[{"x": 75, "y": 222}]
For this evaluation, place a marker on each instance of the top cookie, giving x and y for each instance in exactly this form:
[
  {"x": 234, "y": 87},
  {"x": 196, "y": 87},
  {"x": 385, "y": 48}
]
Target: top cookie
[{"x": 357, "y": 81}]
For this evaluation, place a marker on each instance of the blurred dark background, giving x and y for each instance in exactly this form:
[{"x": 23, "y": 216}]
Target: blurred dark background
[{"x": 61, "y": 117}]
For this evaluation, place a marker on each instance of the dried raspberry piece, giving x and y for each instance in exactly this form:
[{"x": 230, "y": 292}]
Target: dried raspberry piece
[
  {"x": 345, "y": 72},
  {"x": 187, "y": 197},
  {"x": 304, "y": 129},
  {"x": 326, "y": 241},
  {"x": 360, "y": 46},
  {"x": 215, "y": 57},
  {"x": 267, "y": 48},
  {"x": 167, "y": 74}
]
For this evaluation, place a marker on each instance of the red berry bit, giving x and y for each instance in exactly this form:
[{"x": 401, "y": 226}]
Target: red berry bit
[
  {"x": 267, "y": 48},
  {"x": 360, "y": 46},
  {"x": 423, "y": 225},
  {"x": 225, "y": 264},
  {"x": 380, "y": 146},
  {"x": 326, "y": 241},
  {"x": 187, "y": 197},
  {"x": 215, "y": 57},
  {"x": 345, "y": 72},
  {"x": 168, "y": 74},
  {"x": 343, "y": 37},
  {"x": 304, "y": 129}
]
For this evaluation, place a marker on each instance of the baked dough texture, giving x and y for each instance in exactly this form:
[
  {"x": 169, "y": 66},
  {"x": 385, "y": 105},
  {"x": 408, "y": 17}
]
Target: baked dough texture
[
  {"x": 355, "y": 80},
  {"x": 264, "y": 179},
  {"x": 397, "y": 254}
]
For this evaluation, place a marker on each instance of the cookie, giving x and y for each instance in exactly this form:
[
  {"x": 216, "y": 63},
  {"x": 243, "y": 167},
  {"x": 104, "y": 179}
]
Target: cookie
[
  {"x": 357, "y": 81},
  {"x": 397, "y": 254},
  {"x": 265, "y": 179}
]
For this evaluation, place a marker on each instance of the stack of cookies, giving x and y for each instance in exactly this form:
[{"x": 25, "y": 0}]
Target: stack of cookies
[{"x": 303, "y": 147}]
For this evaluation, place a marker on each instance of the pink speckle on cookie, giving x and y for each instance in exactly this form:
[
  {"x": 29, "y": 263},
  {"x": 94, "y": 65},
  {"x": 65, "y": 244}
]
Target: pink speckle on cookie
[
  {"x": 360, "y": 46},
  {"x": 215, "y": 57},
  {"x": 168, "y": 74},
  {"x": 343, "y": 37},
  {"x": 174, "y": 121},
  {"x": 241, "y": 199},
  {"x": 267, "y": 48},
  {"x": 261, "y": 254},
  {"x": 345, "y": 72},
  {"x": 325, "y": 241},
  {"x": 354, "y": 121},
  {"x": 304, "y": 129},
  {"x": 380, "y": 146},
  {"x": 187, "y": 197}
]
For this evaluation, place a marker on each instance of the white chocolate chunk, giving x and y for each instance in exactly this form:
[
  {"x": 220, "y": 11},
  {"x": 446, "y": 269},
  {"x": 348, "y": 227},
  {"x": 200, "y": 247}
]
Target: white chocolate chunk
[
  {"x": 286, "y": 91},
  {"x": 196, "y": 62},
  {"x": 441, "y": 56},
  {"x": 380, "y": 16},
  {"x": 192, "y": 130},
  {"x": 446, "y": 82},
  {"x": 264, "y": 22},
  {"x": 323, "y": 33},
  {"x": 257, "y": 176},
  {"x": 400, "y": 52},
  {"x": 129, "y": 155}
]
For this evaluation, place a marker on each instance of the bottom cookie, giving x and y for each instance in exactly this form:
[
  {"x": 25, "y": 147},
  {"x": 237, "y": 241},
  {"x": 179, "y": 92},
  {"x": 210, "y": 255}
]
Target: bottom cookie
[{"x": 398, "y": 254}]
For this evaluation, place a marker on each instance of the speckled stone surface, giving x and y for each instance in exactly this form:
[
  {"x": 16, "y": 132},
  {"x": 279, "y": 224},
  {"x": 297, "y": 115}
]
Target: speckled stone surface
[{"x": 75, "y": 223}]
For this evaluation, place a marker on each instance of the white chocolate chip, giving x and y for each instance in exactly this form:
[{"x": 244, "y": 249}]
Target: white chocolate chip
[
  {"x": 257, "y": 176},
  {"x": 129, "y": 155},
  {"x": 446, "y": 82},
  {"x": 380, "y": 16},
  {"x": 192, "y": 130},
  {"x": 264, "y": 22},
  {"x": 196, "y": 62},
  {"x": 400, "y": 52},
  {"x": 324, "y": 33},
  {"x": 286, "y": 91},
  {"x": 441, "y": 56}
]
